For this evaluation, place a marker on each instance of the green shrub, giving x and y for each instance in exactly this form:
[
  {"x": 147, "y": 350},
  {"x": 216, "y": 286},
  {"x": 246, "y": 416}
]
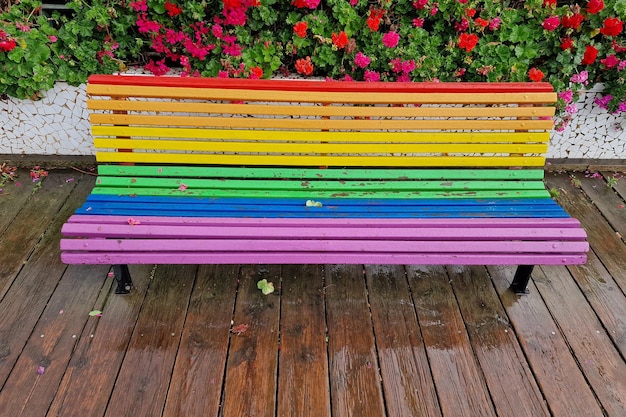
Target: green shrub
[{"x": 568, "y": 44}]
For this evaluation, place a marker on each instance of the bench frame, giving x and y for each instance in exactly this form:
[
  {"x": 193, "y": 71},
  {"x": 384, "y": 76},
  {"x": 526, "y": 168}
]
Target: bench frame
[{"x": 479, "y": 154}]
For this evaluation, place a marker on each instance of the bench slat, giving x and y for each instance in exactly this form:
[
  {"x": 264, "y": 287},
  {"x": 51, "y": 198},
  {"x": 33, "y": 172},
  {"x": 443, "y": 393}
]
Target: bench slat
[
  {"x": 319, "y": 111},
  {"x": 323, "y": 258},
  {"x": 330, "y": 137},
  {"x": 319, "y": 148},
  {"x": 373, "y": 232},
  {"x": 353, "y": 97},
  {"x": 163, "y": 171},
  {"x": 318, "y": 245},
  {"x": 317, "y": 161},
  {"x": 314, "y": 85},
  {"x": 319, "y": 124}
]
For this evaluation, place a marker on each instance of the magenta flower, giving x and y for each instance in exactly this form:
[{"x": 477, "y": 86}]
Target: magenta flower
[
  {"x": 361, "y": 60},
  {"x": 566, "y": 95},
  {"x": 371, "y": 76},
  {"x": 391, "y": 39},
  {"x": 418, "y": 22}
]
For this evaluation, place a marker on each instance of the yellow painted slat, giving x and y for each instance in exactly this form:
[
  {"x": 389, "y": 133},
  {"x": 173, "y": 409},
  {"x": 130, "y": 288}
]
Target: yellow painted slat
[
  {"x": 320, "y": 124},
  {"x": 308, "y": 148},
  {"x": 318, "y": 97},
  {"x": 302, "y": 136},
  {"x": 309, "y": 160},
  {"x": 319, "y": 111}
]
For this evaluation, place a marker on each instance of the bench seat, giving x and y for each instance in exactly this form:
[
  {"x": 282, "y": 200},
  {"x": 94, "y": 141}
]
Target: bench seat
[{"x": 196, "y": 171}]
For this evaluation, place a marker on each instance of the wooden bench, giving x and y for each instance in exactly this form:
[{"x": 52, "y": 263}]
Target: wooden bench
[{"x": 281, "y": 171}]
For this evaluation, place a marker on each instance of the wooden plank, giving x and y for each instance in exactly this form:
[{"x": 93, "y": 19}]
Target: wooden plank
[
  {"x": 96, "y": 360},
  {"x": 30, "y": 267},
  {"x": 32, "y": 222},
  {"x": 303, "y": 379},
  {"x": 355, "y": 387},
  {"x": 317, "y": 161},
  {"x": 620, "y": 185},
  {"x": 546, "y": 350},
  {"x": 251, "y": 370},
  {"x": 320, "y": 174},
  {"x": 509, "y": 378},
  {"x": 144, "y": 377},
  {"x": 597, "y": 357},
  {"x": 14, "y": 197},
  {"x": 39, "y": 369},
  {"x": 605, "y": 241},
  {"x": 318, "y": 111},
  {"x": 197, "y": 380},
  {"x": 312, "y": 85},
  {"x": 313, "y": 148},
  {"x": 353, "y": 97},
  {"x": 460, "y": 384},
  {"x": 407, "y": 382},
  {"x": 318, "y": 124},
  {"x": 608, "y": 202}
]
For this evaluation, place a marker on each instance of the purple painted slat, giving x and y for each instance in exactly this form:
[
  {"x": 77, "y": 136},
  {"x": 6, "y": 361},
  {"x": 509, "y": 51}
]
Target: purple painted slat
[
  {"x": 237, "y": 245},
  {"x": 322, "y": 258},
  {"x": 194, "y": 231},
  {"x": 332, "y": 222}
]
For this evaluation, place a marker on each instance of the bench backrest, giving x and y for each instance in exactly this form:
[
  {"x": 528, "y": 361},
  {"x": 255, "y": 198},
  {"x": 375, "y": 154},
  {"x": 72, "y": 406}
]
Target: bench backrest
[{"x": 173, "y": 120}]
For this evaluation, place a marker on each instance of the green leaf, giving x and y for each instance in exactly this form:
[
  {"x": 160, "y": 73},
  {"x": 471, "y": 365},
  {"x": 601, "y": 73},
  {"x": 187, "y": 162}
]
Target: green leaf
[
  {"x": 95, "y": 313},
  {"x": 265, "y": 287}
]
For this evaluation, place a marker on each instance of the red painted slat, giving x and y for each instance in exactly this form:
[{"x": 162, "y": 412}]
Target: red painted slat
[
  {"x": 322, "y": 258},
  {"x": 306, "y": 85}
]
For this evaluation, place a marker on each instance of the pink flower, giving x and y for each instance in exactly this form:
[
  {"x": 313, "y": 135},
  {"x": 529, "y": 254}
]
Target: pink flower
[
  {"x": 580, "y": 78},
  {"x": 361, "y": 60},
  {"x": 571, "y": 108},
  {"x": 52, "y": 38},
  {"x": 494, "y": 23},
  {"x": 566, "y": 95},
  {"x": 551, "y": 23},
  {"x": 610, "y": 61},
  {"x": 420, "y": 4},
  {"x": 371, "y": 76},
  {"x": 391, "y": 39},
  {"x": 418, "y": 22}
]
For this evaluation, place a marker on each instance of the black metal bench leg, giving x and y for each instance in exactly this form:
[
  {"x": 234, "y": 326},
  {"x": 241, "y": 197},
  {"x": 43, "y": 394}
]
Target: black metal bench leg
[
  {"x": 122, "y": 276},
  {"x": 521, "y": 278}
]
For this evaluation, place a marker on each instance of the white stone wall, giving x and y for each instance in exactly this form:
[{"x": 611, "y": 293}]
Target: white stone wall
[{"x": 58, "y": 125}]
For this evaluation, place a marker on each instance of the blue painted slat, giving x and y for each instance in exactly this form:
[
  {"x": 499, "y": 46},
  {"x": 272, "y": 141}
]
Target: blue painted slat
[{"x": 190, "y": 207}]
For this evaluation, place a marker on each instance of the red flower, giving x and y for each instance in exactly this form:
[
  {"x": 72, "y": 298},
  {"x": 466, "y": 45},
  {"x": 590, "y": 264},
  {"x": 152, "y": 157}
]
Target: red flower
[
  {"x": 256, "y": 73},
  {"x": 617, "y": 47},
  {"x": 610, "y": 61},
  {"x": 300, "y": 29},
  {"x": 535, "y": 75},
  {"x": 612, "y": 26},
  {"x": 567, "y": 43},
  {"x": 594, "y": 6},
  {"x": 7, "y": 45},
  {"x": 551, "y": 23},
  {"x": 470, "y": 12},
  {"x": 468, "y": 41},
  {"x": 572, "y": 21},
  {"x": 172, "y": 9},
  {"x": 339, "y": 40},
  {"x": 481, "y": 22},
  {"x": 551, "y": 3},
  {"x": 373, "y": 21},
  {"x": 304, "y": 66},
  {"x": 590, "y": 56}
]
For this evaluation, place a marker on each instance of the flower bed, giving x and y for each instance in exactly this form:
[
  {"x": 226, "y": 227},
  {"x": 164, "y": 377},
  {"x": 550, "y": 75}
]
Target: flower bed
[{"x": 566, "y": 43}]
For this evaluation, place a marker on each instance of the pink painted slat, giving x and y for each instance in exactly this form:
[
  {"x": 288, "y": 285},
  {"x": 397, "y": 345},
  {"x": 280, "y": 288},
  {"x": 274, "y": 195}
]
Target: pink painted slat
[
  {"x": 238, "y": 245},
  {"x": 289, "y": 232},
  {"x": 322, "y": 258},
  {"x": 331, "y": 222}
]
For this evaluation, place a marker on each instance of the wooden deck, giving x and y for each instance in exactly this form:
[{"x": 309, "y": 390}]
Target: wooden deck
[{"x": 331, "y": 341}]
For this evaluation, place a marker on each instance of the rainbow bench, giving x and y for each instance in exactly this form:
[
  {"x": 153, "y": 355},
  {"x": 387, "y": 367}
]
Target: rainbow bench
[{"x": 226, "y": 171}]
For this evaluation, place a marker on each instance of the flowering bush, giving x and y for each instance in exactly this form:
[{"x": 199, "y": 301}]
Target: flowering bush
[{"x": 568, "y": 43}]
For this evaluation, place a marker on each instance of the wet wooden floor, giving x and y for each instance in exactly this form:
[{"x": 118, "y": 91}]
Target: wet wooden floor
[{"x": 331, "y": 341}]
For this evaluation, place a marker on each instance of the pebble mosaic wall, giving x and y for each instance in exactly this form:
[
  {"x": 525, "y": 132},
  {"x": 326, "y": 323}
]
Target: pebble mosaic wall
[{"x": 58, "y": 125}]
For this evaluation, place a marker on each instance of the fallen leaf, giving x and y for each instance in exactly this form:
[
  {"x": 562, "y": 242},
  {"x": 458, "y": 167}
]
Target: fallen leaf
[
  {"x": 313, "y": 203},
  {"x": 133, "y": 222},
  {"x": 240, "y": 328},
  {"x": 265, "y": 287},
  {"x": 95, "y": 313}
]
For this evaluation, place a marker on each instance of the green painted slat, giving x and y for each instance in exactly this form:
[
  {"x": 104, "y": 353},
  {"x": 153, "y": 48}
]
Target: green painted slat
[
  {"x": 304, "y": 173},
  {"x": 286, "y": 185},
  {"x": 314, "y": 194}
]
